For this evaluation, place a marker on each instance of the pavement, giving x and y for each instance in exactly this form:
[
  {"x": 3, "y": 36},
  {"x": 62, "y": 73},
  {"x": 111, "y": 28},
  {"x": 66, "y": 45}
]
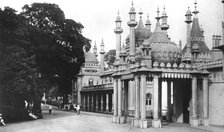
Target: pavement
[{"x": 63, "y": 121}]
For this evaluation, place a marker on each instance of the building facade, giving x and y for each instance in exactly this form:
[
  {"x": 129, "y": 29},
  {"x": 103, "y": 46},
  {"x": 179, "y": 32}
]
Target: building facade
[{"x": 149, "y": 69}]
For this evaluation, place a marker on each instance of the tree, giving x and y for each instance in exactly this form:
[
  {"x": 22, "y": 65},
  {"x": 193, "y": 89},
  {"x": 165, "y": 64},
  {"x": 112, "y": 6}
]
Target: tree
[
  {"x": 110, "y": 57},
  {"x": 58, "y": 43},
  {"x": 19, "y": 78}
]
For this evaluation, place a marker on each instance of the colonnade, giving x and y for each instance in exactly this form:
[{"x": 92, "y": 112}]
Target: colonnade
[
  {"x": 97, "y": 101},
  {"x": 139, "y": 119}
]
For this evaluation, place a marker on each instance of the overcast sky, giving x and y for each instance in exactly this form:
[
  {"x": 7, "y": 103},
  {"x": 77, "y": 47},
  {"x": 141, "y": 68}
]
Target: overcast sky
[{"x": 98, "y": 16}]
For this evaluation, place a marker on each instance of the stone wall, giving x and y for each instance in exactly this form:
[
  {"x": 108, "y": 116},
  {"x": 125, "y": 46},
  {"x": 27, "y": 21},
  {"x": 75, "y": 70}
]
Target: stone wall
[{"x": 216, "y": 103}]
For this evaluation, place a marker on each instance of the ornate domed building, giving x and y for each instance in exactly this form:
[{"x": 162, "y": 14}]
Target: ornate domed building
[{"x": 149, "y": 69}]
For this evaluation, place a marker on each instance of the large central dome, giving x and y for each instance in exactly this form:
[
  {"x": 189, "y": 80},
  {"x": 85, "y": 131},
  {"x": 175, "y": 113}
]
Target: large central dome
[
  {"x": 163, "y": 50},
  {"x": 89, "y": 57}
]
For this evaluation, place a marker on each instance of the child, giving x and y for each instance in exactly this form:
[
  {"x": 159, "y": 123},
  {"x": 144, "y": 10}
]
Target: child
[{"x": 1, "y": 120}]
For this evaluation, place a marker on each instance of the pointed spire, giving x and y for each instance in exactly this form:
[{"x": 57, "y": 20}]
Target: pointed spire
[
  {"x": 140, "y": 24},
  {"x": 195, "y": 9},
  {"x": 148, "y": 23},
  {"x": 158, "y": 17},
  {"x": 164, "y": 11},
  {"x": 102, "y": 47},
  {"x": 132, "y": 7},
  {"x": 164, "y": 17},
  {"x": 140, "y": 13},
  {"x": 95, "y": 50},
  {"x": 158, "y": 27},
  {"x": 118, "y": 16},
  {"x": 188, "y": 16},
  {"x": 202, "y": 31}
]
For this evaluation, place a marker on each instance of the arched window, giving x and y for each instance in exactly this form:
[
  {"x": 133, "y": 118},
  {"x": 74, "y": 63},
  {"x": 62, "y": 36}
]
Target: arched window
[
  {"x": 90, "y": 82},
  {"x": 148, "y": 99}
]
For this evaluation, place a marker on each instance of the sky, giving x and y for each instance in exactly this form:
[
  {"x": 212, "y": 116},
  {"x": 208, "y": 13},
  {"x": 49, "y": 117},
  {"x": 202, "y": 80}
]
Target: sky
[{"x": 98, "y": 16}]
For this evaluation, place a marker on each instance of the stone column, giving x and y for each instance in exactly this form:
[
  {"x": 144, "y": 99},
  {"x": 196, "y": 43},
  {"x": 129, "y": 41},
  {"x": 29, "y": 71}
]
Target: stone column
[
  {"x": 112, "y": 104},
  {"x": 88, "y": 103},
  {"x": 160, "y": 99},
  {"x": 97, "y": 107},
  {"x": 115, "y": 101},
  {"x": 156, "y": 123},
  {"x": 194, "y": 102},
  {"x": 137, "y": 95},
  {"x": 120, "y": 99},
  {"x": 205, "y": 101},
  {"x": 107, "y": 102},
  {"x": 101, "y": 102},
  {"x": 168, "y": 116},
  {"x": 92, "y": 103},
  {"x": 84, "y": 102},
  {"x": 126, "y": 111},
  {"x": 143, "y": 121},
  {"x": 135, "y": 121}
]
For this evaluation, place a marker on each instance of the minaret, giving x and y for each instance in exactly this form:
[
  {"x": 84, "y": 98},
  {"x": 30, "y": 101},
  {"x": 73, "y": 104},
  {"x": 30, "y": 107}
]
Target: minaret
[
  {"x": 148, "y": 23},
  {"x": 158, "y": 27},
  {"x": 95, "y": 50},
  {"x": 187, "y": 57},
  {"x": 118, "y": 30},
  {"x": 164, "y": 17},
  {"x": 188, "y": 21},
  {"x": 102, "y": 52},
  {"x": 132, "y": 23}
]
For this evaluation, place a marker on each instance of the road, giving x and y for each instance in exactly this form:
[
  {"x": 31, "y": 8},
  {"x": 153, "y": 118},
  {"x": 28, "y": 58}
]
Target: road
[{"x": 62, "y": 121}]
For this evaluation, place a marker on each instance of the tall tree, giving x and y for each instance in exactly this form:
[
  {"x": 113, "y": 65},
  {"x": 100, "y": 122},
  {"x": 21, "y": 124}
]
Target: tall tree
[
  {"x": 110, "y": 57},
  {"x": 58, "y": 43},
  {"x": 19, "y": 78}
]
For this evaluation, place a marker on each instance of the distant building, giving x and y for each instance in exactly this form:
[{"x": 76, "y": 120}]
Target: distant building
[{"x": 150, "y": 65}]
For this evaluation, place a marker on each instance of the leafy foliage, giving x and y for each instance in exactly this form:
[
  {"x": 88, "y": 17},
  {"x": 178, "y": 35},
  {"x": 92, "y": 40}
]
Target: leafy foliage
[
  {"x": 38, "y": 49},
  {"x": 110, "y": 57}
]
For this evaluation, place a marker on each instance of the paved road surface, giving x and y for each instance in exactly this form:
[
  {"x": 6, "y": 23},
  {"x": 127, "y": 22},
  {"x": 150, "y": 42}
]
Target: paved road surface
[{"x": 61, "y": 121}]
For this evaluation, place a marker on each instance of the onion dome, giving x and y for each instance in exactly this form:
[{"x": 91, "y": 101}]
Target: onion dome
[
  {"x": 132, "y": 7},
  {"x": 148, "y": 23},
  {"x": 164, "y": 12},
  {"x": 90, "y": 58},
  {"x": 141, "y": 33},
  {"x": 118, "y": 18},
  {"x": 163, "y": 50},
  {"x": 188, "y": 12}
]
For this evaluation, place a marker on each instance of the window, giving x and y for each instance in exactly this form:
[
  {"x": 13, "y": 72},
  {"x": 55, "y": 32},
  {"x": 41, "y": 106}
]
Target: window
[
  {"x": 148, "y": 99},
  {"x": 90, "y": 82}
]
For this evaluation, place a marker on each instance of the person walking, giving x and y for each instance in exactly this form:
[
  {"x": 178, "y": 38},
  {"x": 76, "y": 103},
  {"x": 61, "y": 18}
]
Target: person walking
[
  {"x": 50, "y": 109},
  {"x": 1, "y": 120},
  {"x": 78, "y": 109}
]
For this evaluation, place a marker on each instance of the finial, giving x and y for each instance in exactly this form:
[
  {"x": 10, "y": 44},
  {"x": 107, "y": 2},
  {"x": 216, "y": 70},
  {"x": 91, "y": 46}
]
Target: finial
[
  {"x": 164, "y": 8},
  {"x": 95, "y": 43},
  {"x": 195, "y": 5},
  {"x": 158, "y": 11},
  {"x": 118, "y": 13},
  {"x": 158, "y": 17},
  {"x": 132, "y": 3},
  {"x": 102, "y": 41},
  {"x": 147, "y": 15},
  {"x": 140, "y": 13}
]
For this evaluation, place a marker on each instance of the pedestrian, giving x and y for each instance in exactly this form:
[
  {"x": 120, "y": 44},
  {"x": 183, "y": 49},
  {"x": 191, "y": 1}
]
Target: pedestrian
[
  {"x": 78, "y": 109},
  {"x": 1, "y": 120},
  {"x": 50, "y": 109}
]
